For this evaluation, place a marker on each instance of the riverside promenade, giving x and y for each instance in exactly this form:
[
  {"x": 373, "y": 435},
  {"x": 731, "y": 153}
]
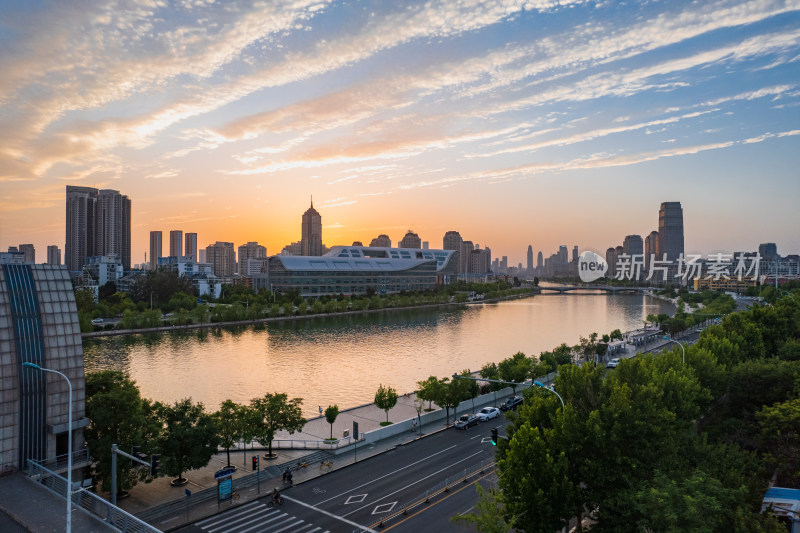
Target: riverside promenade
[
  {"x": 26, "y": 506},
  {"x": 30, "y": 507}
]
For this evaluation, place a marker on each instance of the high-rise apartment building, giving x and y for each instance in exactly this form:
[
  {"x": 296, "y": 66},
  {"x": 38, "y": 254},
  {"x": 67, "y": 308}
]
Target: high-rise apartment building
[
  {"x": 633, "y": 245},
  {"x": 222, "y": 257},
  {"x": 156, "y": 248},
  {"x": 540, "y": 260},
  {"x": 98, "y": 222},
  {"x": 53, "y": 255},
  {"x": 464, "y": 261},
  {"x": 176, "y": 243},
  {"x": 251, "y": 250},
  {"x": 29, "y": 252},
  {"x": 190, "y": 248},
  {"x": 381, "y": 241},
  {"x": 113, "y": 227},
  {"x": 452, "y": 241},
  {"x": 311, "y": 232},
  {"x": 670, "y": 230},
  {"x": 767, "y": 250},
  {"x": 411, "y": 240},
  {"x": 611, "y": 261},
  {"x": 651, "y": 247}
]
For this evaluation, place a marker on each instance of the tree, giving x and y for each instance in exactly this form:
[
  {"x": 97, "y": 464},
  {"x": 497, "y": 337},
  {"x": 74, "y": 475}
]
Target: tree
[
  {"x": 449, "y": 394},
  {"x": 515, "y": 369},
  {"x": 330, "y": 415},
  {"x": 488, "y": 515},
  {"x": 470, "y": 387},
  {"x": 385, "y": 398},
  {"x": 780, "y": 432},
  {"x": 276, "y": 412},
  {"x": 117, "y": 415},
  {"x": 229, "y": 424},
  {"x": 189, "y": 438},
  {"x": 428, "y": 390}
]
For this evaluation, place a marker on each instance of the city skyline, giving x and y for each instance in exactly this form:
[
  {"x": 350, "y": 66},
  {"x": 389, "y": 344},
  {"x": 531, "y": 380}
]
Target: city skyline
[{"x": 513, "y": 124}]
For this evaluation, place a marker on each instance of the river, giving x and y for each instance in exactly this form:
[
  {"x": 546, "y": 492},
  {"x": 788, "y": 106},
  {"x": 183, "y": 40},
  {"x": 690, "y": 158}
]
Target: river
[{"x": 342, "y": 360}]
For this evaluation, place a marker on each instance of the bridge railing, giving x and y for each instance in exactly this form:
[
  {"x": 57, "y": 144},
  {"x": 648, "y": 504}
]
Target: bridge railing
[{"x": 89, "y": 501}]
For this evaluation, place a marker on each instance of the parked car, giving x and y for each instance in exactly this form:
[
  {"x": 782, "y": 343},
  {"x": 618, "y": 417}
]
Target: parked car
[
  {"x": 511, "y": 403},
  {"x": 487, "y": 413},
  {"x": 97, "y": 321},
  {"x": 613, "y": 363},
  {"x": 465, "y": 421}
]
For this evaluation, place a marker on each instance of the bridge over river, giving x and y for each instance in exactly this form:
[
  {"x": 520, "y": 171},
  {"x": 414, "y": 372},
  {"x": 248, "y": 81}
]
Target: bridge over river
[{"x": 585, "y": 289}]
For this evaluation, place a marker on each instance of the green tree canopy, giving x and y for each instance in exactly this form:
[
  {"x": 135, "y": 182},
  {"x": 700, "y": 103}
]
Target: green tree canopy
[
  {"x": 189, "y": 438},
  {"x": 277, "y": 412},
  {"x": 330, "y": 415},
  {"x": 117, "y": 415},
  {"x": 385, "y": 398}
]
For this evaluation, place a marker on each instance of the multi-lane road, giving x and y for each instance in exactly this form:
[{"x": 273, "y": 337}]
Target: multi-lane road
[{"x": 401, "y": 490}]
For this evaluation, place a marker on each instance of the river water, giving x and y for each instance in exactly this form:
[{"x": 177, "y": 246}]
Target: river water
[{"x": 342, "y": 360}]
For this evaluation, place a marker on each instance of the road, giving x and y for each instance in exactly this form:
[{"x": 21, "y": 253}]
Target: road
[{"x": 362, "y": 496}]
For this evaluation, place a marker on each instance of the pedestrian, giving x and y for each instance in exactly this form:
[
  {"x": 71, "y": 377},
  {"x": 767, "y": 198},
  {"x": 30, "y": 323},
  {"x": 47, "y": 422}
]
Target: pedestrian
[{"x": 320, "y": 410}]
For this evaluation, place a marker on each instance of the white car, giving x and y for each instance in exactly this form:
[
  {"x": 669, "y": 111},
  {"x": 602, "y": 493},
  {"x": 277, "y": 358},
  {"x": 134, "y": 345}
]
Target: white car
[
  {"x": 613, "y": 363},
  {"x": 487, "y": 413}
]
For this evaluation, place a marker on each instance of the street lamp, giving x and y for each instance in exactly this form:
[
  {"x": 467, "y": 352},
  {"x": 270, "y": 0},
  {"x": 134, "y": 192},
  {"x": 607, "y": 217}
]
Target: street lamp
[
  {"x": 69, "y": 443},
  {"x": 683, "y": 352},
  {"x": 538, "y": 384}
]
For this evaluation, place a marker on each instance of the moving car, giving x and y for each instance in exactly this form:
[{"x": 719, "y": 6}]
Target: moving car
[
  {"x": 465, "y": 421},
  {"x": 98, "y": 321},
  {"x": 487, "y": 413},
  {"x": 613, "y": 363},
  {"x": 511, "y": 403}
]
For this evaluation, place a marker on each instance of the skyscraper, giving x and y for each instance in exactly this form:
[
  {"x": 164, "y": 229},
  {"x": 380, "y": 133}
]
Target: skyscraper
[
  {"x": 97, "y": 223},
  {"x": 651, "y": 247},
  {"x": 540, "y": 260},
  {"x": 222, "y": 258},
  {"x": 411, "y": 240},
  {"x": 670, "y": 230},
  {"x": 633, "y": 245},
  {"x": 81, "y": 202},
  {"x": 311, "y": 232},
  {"x": 190, "y": 249},
  {"x": 464, "y": 258},
  {"x": 767, "y": 250},
  {"x": 251, "y": 250},
  {"x": 113, "y": 227},
  {"x": 53, "y": 255},
  {"x": 530, "y": 258},
  {"x": 29, "y": 252},
  {"x": 156, "y": 249},
  {"x": 176, "y": 243},
  {"x": 381, "y": 241}
]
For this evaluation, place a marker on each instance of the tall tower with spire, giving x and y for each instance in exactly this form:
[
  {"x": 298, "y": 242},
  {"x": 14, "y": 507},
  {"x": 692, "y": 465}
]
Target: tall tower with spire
[{"x": 311, "y": 232}]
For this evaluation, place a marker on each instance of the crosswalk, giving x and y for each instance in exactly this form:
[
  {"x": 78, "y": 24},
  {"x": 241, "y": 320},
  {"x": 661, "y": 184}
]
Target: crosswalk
[{"x": 257, "y": 517}]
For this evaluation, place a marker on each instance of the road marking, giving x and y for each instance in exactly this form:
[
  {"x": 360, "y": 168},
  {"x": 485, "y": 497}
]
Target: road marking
[
  {"x": 414, "y": 483},
  {"x": 326, "y": 513},
  {"x": 437, "y": 502},
  {"x": 475, "y": 437},
  {"x": 261, "y": 524},
  {"x": 387, "y": 475},
  {"x": 379, "y": 508},
  {"x": 356, "y": 498}
]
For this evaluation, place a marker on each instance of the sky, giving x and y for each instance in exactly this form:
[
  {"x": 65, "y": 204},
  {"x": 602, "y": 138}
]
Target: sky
[{"x": 513, "y": 122}]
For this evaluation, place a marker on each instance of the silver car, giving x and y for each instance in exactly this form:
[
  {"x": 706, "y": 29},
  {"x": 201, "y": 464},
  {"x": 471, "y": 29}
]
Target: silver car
[{"x": 487, "y": 413}]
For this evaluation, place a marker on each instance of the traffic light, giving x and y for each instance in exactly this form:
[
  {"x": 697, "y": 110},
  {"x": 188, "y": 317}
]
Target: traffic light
[
  {"x": 255, "y": 463},
  {"x": 494, "y": 436},
  {"x": 155, "y": 462},
  {"x": 136, "y": 451}
]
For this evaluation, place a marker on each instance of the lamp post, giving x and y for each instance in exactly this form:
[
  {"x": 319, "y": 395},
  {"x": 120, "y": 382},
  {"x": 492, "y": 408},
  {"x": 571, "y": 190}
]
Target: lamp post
[
  {"x": 69, "y": 443},
  {"x": 683, "y": 352},
  {"x": 551, "y": 390}
]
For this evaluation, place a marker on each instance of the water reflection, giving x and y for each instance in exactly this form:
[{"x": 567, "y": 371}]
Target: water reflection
[{"x": 343, "y": 359}]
